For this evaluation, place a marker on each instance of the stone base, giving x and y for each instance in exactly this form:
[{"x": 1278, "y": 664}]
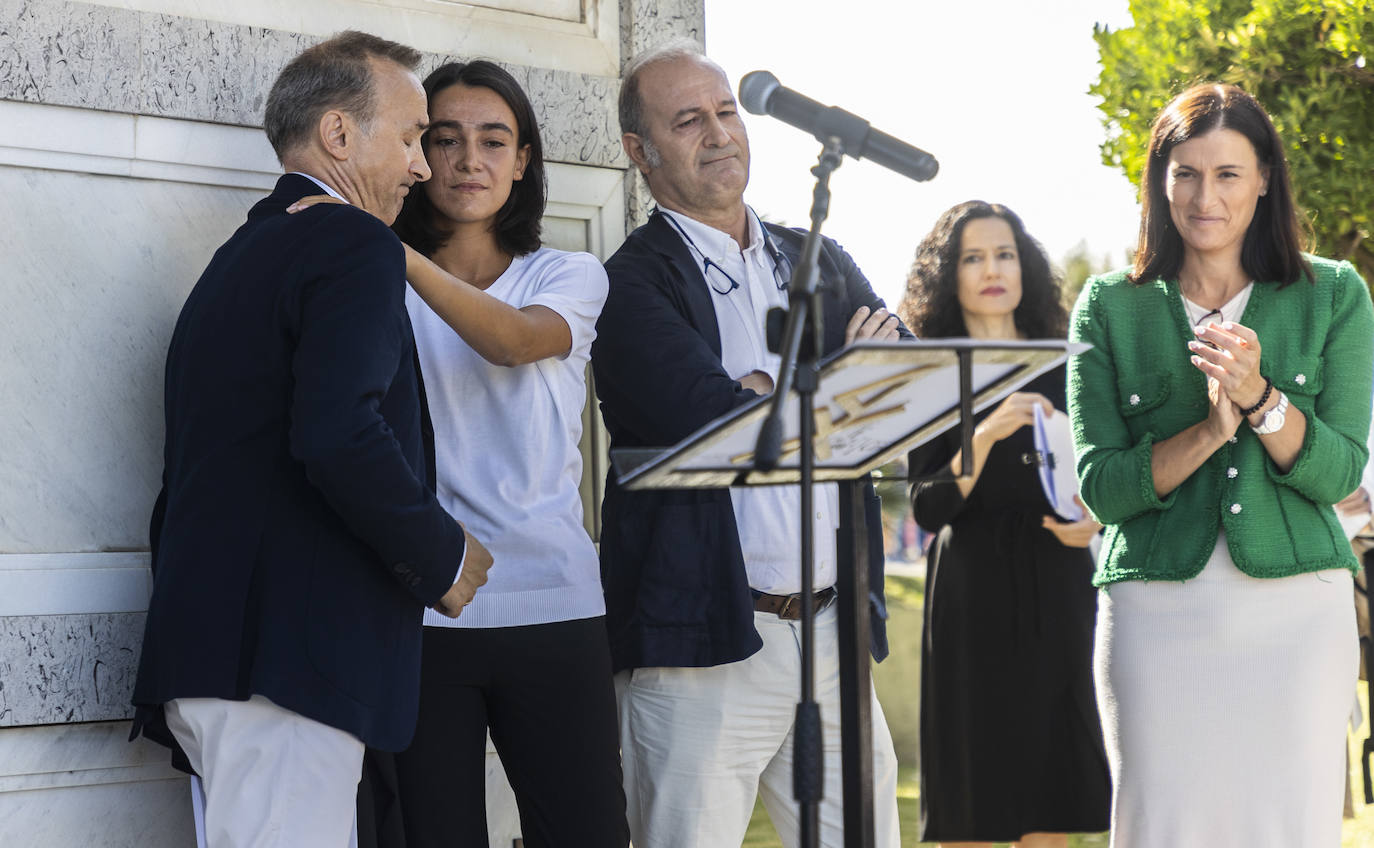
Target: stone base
[{"x": 85, "y": 785}]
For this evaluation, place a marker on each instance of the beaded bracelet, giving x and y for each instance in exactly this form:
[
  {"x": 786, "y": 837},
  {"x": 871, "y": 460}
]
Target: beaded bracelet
[{"x": 1268, "y": 389}]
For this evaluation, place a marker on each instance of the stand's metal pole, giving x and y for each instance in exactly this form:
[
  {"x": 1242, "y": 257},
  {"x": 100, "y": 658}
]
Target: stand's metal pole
[
  {"x": 804, "y": 323},
  {"x": 808, "y": 756},
  {"x": 856, "y": 704}
]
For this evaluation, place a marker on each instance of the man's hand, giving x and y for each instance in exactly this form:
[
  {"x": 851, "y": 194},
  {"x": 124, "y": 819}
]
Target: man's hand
[
  {"x": 880, "y": 326},
  {"x": 758, "y": 381},
  {"x": 476, "y": 562}
]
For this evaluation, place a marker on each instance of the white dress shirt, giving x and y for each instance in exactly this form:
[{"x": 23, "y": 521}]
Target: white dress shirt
[{"x": 769, "y": 517}]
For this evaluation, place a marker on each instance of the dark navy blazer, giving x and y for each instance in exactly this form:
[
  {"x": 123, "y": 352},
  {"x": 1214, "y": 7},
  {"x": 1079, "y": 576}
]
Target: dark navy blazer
[
  {"x": 296, "y": 540},
  {"x": 676, "y": 589}
]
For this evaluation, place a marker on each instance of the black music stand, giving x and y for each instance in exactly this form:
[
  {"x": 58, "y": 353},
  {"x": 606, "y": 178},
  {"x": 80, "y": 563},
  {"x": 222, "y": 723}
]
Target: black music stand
[{"x": 877, "y": 401}]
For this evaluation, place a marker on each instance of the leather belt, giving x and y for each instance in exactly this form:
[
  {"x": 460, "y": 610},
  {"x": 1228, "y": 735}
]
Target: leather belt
[{"x": 789, "y": 607}]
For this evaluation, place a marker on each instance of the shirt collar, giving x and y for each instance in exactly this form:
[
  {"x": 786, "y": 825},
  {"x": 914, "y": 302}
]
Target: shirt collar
[
  {"x": 718, "y": 245},
  {"x": 327, "y": 190}
]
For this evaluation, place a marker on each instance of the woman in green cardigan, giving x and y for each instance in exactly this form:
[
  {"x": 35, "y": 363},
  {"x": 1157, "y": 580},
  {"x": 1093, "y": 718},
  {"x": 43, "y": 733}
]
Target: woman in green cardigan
[{"x": 1221, "y": 411}]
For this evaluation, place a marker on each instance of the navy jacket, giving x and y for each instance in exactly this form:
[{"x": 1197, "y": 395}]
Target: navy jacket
[
  {"x": 677, "y": 593},
  {"x": 296, "y": 540}
]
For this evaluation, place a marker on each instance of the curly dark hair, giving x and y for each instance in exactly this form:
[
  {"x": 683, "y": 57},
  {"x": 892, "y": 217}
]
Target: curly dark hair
[
  {"x": 517, "y": 226},
  {"x": 930, "y": 305}
]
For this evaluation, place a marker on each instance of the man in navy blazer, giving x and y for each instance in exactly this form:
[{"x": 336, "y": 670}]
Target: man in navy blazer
[
  {"x": 296, "y": 540},
  {"x": 701, "y": 585}
]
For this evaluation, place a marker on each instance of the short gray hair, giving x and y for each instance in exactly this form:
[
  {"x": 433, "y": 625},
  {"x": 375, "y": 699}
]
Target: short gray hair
[
  {"x": 334, "y": 74},
  {"x": 631, "y": 104}
]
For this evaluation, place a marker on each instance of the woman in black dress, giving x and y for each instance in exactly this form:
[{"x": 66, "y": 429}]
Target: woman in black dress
[{"x": 1011, "y": 747}]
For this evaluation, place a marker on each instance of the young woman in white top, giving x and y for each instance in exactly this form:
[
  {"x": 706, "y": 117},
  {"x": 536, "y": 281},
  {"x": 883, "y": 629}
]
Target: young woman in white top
[{"x": 503, "y": 327}]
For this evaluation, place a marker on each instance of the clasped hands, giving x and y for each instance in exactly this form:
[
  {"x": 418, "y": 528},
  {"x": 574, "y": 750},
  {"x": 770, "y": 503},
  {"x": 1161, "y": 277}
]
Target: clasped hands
[{"x": 1229, "y": 355}]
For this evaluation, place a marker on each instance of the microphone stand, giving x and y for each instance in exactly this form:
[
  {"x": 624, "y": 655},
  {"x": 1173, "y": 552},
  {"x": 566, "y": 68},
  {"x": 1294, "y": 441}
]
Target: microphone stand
[{"x": 800, "y": 350}]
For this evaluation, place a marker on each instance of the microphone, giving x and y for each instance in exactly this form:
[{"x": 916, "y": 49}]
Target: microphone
[{"x": 762, "y": 94}]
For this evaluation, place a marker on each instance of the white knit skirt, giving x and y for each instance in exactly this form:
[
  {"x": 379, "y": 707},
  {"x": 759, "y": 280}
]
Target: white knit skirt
[{"x": 1224, "y": 701}]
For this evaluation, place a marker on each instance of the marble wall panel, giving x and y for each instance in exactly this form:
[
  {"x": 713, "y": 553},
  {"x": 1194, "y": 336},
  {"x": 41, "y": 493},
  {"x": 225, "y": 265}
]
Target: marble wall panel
[
  {"x": 205, "y": 70},
  {"x": 645, "y": 24},
  {"x": 143, "y": 814},
  {"x": 77, "y": 54},
  {"x": 648, "y": 23},
  {"x": 57, "y": 669},
  {"x": 576, "y": 112},
  {"x": 69, "y": 54},
  {"x": 96, "y": 269},
  {"x": 87, "y": 785},
  {"x": 577, "y": 116}
]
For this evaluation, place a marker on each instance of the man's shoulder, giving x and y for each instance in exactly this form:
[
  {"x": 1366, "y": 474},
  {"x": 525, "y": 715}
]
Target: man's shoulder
[
  {"x": 784, "y": 233},
  {"x": 791, "y": 240},
  {"x": 323, "y": 243},
  {"x": 323, "y": 221},
  {"x": 643, "y": 238},
  {"x": 643, "y": 246},
  {"x": 347, "y": 227}
]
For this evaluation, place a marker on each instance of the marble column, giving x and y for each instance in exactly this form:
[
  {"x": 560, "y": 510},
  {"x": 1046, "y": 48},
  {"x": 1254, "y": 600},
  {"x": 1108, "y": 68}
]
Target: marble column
[{"x": 645, "y": 24}]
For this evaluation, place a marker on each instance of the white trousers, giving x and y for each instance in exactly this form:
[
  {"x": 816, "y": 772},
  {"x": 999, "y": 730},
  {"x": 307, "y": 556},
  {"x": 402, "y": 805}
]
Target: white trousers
[
  {"x": 272, "y": 778},
  {"x": 700, "y": 744}
]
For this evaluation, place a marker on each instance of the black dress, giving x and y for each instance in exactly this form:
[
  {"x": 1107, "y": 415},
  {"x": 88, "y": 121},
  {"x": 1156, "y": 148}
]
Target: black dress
[{"x": 1010, "y": 739}]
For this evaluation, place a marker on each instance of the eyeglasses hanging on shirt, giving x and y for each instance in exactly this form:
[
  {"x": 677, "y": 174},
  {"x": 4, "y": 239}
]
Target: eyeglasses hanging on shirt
[
  {"x": 723, "y": 283},
  {"x": 1206, "y": 319}
]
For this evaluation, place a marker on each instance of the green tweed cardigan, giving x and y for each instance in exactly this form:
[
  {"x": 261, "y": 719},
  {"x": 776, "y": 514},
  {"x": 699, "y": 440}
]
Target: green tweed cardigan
[{"x": 1136, "y": 386}]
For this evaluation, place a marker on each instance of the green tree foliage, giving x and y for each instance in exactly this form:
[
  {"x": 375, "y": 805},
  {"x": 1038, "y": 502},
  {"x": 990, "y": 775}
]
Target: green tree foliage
[
  {"x": 1305, "y": 60},
  {"x": 1079, "y": 265}
]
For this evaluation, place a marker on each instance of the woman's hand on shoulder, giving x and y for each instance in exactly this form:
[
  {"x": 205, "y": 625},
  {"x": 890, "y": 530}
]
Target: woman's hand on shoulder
[
  {"x": 313, "y": 200},
  {"x": 1017, "y": 411}
]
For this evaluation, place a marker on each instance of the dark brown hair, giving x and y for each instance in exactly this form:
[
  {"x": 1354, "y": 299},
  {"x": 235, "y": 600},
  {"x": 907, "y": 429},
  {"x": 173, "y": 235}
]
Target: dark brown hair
[
  {"x": 930, "y": 306},
  {"x": 334, "y": 74},
  {"x": 517, "y": 226},
  {"x": 1272, "y": 249}
]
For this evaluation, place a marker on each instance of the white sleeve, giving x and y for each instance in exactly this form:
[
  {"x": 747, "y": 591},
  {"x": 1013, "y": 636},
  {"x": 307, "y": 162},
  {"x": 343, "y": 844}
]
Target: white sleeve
[{"x": 574, "y": 286}]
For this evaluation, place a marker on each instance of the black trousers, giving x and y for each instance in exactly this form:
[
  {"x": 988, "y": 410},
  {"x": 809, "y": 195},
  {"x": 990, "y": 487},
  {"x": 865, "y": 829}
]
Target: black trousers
[{"x": 546, "y": 694}]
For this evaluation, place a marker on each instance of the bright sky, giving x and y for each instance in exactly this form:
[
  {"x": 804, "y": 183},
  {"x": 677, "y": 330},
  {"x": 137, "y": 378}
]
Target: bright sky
[{"x": 996, "y": 90}]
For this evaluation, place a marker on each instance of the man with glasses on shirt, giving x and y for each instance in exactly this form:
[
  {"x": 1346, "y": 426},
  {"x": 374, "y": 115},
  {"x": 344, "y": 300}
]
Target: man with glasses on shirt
[{"x": 701, "y": 586}]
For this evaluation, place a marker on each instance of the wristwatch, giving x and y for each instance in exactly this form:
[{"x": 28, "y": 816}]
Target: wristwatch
[{"x": 1272, "y": 421}]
